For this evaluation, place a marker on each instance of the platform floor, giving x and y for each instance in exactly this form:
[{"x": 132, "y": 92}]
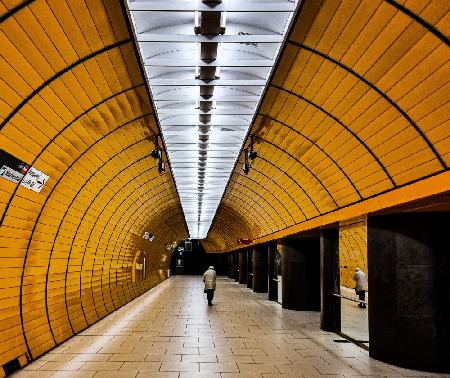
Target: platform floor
[
  {"x": 171, "y": 332},
  {"x": 354, "y": 320}
]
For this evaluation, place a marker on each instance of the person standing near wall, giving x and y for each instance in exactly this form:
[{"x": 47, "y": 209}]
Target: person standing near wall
[
  {"x": 209, "y": 279},
  {"x": 361, "y": 286}
]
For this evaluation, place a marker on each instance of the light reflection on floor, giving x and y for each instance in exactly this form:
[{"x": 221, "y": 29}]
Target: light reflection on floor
[
  {"x": 171, "y": 332},
  {"x": 354, "y": 320}
]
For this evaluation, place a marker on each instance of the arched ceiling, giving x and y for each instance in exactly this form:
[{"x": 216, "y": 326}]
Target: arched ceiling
[
  {"x": 357, "y": 110},
  {"x": 74, "y": 105},
  {"x": 207, "y": 63}
]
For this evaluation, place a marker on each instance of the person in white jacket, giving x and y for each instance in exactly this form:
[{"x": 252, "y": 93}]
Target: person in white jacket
[
  {"x": 361, "y": 286},
  {"x": 209, "y": 279}
]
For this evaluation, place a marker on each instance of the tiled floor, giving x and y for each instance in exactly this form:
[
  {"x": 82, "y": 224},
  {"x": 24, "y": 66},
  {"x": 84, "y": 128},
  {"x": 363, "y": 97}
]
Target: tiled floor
[{"x": 171, "y": 332}]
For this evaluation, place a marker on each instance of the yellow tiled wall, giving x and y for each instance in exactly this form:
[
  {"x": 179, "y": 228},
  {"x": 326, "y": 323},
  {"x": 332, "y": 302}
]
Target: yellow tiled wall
[{"x": 73, "y": 104}]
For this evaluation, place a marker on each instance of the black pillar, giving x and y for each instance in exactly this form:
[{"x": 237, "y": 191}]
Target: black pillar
[
  {"x": 231, "y": 265},
  {"x": 249, "y": 268},
  {"x": 409, "y": 301},
  {"x": 301, "y": 274},
  {"x": 273, "y": 284},
  {"x": 236, "y": 266},
  {"x": 260, "y": 266},
  {"x": 330, "y": 315},
  {"x": 243, "y": 266}
]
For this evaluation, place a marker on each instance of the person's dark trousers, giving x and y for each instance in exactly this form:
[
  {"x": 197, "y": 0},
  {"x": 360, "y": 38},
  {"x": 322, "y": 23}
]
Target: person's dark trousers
[
  {"x": 210, "y": 296},
  {"x": 362, "y": 297}
]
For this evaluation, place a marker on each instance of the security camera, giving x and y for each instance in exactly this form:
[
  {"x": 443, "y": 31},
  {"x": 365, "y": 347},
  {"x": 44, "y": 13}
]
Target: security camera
[
  {"x": 155, "y": 153},
  {"x": 161, "y": 166},
  {"x": 252, "y": 154}
]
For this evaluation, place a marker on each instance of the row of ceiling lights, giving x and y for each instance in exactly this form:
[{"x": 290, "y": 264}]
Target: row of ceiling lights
[{"x": 224, "y": 51}]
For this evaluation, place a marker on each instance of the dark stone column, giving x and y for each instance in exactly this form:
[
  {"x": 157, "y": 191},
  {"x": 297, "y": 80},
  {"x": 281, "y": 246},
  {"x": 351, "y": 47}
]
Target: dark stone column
[
  {"x": 231, "y": 265},
  {"x": 236, "y": 266},
  {"x": 273, "y": 285},
  {"x": 243, "y": 266},
  {"x": 301, "y": 274},
  {"x": 409, "y": 301},
  {"x": 330, "y": 315},
  {"x": 260, "y": 266},
  {"x": 249, "y": 268}
]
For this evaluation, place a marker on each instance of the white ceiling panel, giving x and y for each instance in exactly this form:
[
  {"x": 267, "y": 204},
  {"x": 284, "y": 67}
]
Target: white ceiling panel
[{"x": 207, "y": 63}]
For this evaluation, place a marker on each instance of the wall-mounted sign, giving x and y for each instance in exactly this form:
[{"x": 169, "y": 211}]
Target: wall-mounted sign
[
  {"x": 11, "y": 168},
  {"x": 34, "y": 180},
  {"x": 244, "y": 241},
  {"x": 10, "y": 174},
  {"x": 148, "y": 236},
  {"x": 19, "y": 172}
]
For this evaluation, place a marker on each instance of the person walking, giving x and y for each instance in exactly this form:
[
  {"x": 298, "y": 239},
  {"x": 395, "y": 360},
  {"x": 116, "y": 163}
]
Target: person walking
[
  {"x": 361, "y": 286},
  {"x": 209, "y": 279}
]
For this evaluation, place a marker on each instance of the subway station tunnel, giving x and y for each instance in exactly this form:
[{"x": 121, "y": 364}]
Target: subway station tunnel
[{"x": 290, "y": 140}]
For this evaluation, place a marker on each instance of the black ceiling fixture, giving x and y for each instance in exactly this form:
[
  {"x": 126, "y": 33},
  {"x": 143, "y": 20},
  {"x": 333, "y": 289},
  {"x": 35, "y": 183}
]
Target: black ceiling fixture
[
  {"x": 246, "y": 166},
  {"x": 252, "y": 154},
  {"x": 156, "y": 151},
  {"x": 161, "y": 164}
]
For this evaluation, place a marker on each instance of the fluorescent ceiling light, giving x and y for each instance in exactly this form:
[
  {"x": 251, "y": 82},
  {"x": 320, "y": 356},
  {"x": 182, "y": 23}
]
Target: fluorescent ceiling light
[{"x": 207, "y": 64}]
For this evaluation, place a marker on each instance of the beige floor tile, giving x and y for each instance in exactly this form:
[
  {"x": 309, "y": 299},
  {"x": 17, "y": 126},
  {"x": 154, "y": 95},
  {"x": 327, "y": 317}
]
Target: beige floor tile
[
  {"x": 235, "y": 359},
  {"x": 112, "y": 349},
  {"x": 248, "y": 352},
  {"x": 217, "y": 350},
  {"x": 150, "y": 349},
  {"x": 60, "y": 349},
  {"x": 73, "y": 374},
  {"x": 300, "y": 370},
  {"x": 164, "y": 357},
  {"x": 274, "y": 359},
  {"x": 141, "y": 365},
  {"x": 199, "y": 344},
  {"x": 115, "y": 374},
  {"x": 199, "y": 358},
  {"x": 35, "y": 365},
  {"x": 180, "y": 366},
  {"x": 32, "y": 374},
  {"x": 257, "y": 368},
  {"x": 128, "y": 357},
  {"x": 159, "y": 374},
  {"x": 83, "y": 349},
  {"x": 57, "y": 357},
  {"x": 155, "y": 339},
  {"x": 91, "y": 357},
  {"x": 243, "y": 375},
  {"x": 62, "y": 365},
  {"x": 102, "y": 365},
  {"x": 221, "y": 367},
  {"x": 181, "y": 350}
]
